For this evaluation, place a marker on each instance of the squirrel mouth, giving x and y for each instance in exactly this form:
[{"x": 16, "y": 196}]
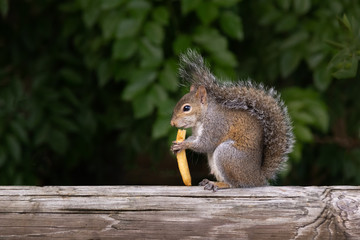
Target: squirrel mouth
[
  {"x": 184, "y": 126},
  {"x": 178, "y": 125}
]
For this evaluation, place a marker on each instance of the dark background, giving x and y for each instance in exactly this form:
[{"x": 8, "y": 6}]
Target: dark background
[{"x": 87, "y": 87}]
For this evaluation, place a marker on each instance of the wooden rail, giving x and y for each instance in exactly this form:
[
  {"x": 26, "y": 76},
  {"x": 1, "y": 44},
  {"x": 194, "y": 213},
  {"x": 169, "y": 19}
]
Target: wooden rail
[{"x": 164, "y": 212}]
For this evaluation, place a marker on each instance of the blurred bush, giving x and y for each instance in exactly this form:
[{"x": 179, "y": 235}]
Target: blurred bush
[{"x": 87, "y": 87}]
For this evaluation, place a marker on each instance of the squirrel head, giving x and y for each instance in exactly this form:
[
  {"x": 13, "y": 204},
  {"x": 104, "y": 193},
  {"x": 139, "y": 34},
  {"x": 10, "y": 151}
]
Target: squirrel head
[{"x": 190, "y": 108}]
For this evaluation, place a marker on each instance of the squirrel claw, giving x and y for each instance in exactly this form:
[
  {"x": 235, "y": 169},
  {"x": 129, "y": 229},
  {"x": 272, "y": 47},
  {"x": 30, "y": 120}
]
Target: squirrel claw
[
  {"x": 204, "y": 182},
  {"x": 176, "y": 147},
  {"x": 208, "y": 185}
]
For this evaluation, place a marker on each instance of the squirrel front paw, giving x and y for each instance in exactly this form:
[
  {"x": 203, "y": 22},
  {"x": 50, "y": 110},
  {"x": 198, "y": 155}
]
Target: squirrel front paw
[
  {"x": 177, "y": 147},
  {"x": 208, "y": 185}
]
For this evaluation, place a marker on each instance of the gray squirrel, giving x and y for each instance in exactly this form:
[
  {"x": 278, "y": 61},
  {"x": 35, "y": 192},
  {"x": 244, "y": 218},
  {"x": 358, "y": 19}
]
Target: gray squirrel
[{"x": 244, "y": 128}]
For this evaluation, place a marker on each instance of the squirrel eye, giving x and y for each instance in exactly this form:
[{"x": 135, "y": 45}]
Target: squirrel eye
[{"x": 186, "y": 108}]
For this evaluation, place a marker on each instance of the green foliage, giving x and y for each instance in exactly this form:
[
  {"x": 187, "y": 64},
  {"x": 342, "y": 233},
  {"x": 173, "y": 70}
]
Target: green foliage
[
  {"x": 88, "y": 86},
  {"x": 307, "y": 111},
  {"x": 4, "y": 7},
  {"x": 345, "y": 63}
]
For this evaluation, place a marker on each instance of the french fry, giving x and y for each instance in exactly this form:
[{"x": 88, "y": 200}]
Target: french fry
[{"x": 182, "y": 161}]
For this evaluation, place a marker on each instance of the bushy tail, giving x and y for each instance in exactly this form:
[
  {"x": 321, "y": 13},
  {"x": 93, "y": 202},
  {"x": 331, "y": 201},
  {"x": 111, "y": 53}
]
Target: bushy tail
[{"x": 264, "y": 104}]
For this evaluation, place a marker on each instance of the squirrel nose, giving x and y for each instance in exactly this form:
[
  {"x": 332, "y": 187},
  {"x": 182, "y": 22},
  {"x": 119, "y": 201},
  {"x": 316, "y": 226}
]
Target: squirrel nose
[{"x": 172, "y": 123}]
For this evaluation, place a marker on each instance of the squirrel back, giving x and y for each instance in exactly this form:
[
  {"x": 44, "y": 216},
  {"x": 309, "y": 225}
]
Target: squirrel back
[{"x": 264, "y": 104}]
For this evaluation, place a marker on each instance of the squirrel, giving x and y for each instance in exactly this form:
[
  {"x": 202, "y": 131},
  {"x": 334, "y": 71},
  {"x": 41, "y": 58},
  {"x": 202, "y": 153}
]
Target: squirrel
[{"x": 244, "y": 128}]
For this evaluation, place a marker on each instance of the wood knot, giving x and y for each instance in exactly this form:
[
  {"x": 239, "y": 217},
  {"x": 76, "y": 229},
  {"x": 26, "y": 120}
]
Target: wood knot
[{"x": 347, "y": 204}]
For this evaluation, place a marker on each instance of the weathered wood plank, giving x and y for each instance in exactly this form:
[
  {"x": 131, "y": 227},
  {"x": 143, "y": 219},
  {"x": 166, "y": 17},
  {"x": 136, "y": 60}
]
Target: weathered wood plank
[{"x": 162, "y": 212}]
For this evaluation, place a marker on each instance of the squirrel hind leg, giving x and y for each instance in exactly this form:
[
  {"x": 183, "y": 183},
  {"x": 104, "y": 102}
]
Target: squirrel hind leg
[
  {"x": 237, "y": 168},
  {"x": 211, "y": 185}
]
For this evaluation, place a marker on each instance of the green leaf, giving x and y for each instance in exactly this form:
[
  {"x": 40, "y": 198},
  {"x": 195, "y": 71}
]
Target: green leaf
[
  {"x": 207, "y": 12},
  {"x": 84, "y": 3},
  {"x": 125, "y": 70},
  {"x": 315, "y": 59},
  {"x": 297, "y": 151},
  {"x": 65, "y": 124},
  {"x": 210, "y": 39},
  {"x": 306, "y": 107},
  {"x": 225, "y": 3},
  {"x": 154, "y": 32},
  {"x": 95, "y": 44},
  {"x": 189, "y": 5},
  {"x": 181, "y": 43},
  {"x": 337, "y": 7},
  {"x": 286, "y": 23},
  {"x": 41, "y": 135},
  {"x": 14, "y": 147},
  {"x": 151, "y": 55},
  {"x": 71, "y": 76},
  {"x": 20, "y": 131},
  {"x": 168, "y": 76},
  {"x": 58, "y": 143},
  {"x": 143, "y": 105},
  {"x": 302, "y": 6},
  {"x": 124, "y": 49},
  {"x": 289, "y": 62},
  {"x": 161, "y": 15},
  {"x": 271, "y": 16},
  {"x": 109, "y": 24},
  {"x": 69, "y": 7},
  {"x": 303, "y": 133},
  {"x": 303, "y": 117},
  {"x": 36, "y": 117},
  {"x": 70, "y": 96},
  {"x": 231, "y": 25},
  {"x": 296, "y": 93},
  {"x": 165, "y": 108},
  {"x": 4, "y": 7},
  {"x": 158, "y": 94},
  {"x": 90, "y": 15},
  {"x": 346, "y": 23},
  {"x": 322, "y": 78},
  {"x": 318, "y": 109},
  {"x": 161, "y": 127},
  {"x": 104, "y": 73},
  {"x": 59, "y": 108},
  {"x": 346, "y": 67},
  {"x": 128, "y": 28},
  {"x": 225, "y": 58},
  {"x": 87, "y": 121},
  {"x": 110, "y": 4},
  {"x": 335, "y": 44},
  {"x": 225, "y": 72},
  {"x": 138, "y": 9},
  {"x": 140, "y": 80},
  {"x": 284, "y": 4},
  {"x": 293, "y": 105},
  {"x": 295, "y": 39}
]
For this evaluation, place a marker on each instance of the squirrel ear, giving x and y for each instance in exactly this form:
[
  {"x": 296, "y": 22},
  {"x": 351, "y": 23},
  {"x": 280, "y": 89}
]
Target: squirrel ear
[
  {"x": 192, "y": 88},
  {"x": 202, "y": 94}
]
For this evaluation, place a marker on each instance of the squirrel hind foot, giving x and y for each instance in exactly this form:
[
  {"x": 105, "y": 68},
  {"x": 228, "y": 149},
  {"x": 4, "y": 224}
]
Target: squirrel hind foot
[{"x": 214, "y": 186}]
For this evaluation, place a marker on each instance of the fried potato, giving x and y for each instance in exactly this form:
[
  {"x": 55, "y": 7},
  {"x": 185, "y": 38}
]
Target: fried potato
[{"x": 182, "y": 161}]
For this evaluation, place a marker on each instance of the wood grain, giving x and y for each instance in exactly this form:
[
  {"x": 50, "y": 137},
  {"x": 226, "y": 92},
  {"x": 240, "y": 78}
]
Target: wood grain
[{"x": 164, "y": 212}]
